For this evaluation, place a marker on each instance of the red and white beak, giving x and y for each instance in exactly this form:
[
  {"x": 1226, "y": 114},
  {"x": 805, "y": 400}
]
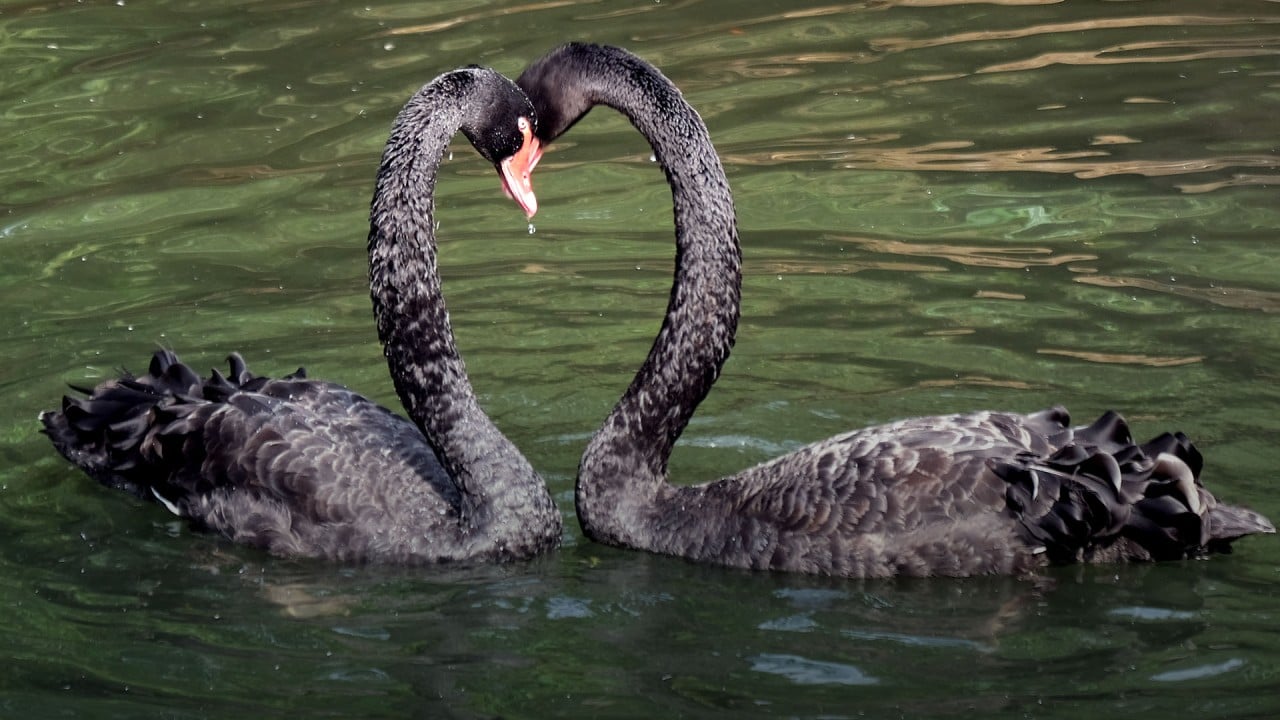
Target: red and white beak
[{"x": 516, "y": 170}]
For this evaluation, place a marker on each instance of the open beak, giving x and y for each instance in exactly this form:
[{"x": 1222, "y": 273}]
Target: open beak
[
  {"x": 516, "y": 170},
  {"x": 535, "y": 155}
]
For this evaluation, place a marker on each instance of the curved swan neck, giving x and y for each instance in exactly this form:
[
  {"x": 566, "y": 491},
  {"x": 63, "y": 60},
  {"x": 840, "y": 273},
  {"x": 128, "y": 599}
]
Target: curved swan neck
[
  {"x": 413, "y": 322},
  {"x": 702, "y": 313}
]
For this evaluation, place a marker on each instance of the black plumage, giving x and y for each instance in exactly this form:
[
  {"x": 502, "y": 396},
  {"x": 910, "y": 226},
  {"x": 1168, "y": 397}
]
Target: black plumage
[
  {"x": 983, "y": 492},
  {"x": 304, "y": 468}
]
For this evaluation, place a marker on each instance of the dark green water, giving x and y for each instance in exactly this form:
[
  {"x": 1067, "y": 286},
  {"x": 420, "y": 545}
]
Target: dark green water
[{"x": 944, "y": 206}]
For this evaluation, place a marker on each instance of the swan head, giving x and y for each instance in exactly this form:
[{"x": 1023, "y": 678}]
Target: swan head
[
  {"x": 503, "y": 131},
  {"x": 567, "y": 82},
  {"x": 560, "y": 86}
]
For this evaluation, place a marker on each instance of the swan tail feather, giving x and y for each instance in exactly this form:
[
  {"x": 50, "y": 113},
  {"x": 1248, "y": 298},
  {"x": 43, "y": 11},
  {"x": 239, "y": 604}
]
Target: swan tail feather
[
  {"x": 1102, "y": 498},
  {"x": 123, "y": 432}
]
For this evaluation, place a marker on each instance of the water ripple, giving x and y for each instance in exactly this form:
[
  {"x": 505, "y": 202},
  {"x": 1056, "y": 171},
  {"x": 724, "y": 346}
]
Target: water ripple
[
  {"x": 915, "y": 640},
  {"x": 803, "y": 671},
  {"x": 1199, "y": 672},
  {"x": 898, "y": 44}
]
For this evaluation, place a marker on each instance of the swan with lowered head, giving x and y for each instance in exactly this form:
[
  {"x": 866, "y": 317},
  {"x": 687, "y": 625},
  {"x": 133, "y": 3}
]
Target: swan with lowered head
[
  {"x": 305, "y": 468},
  {"x": 978, "y": 493}
]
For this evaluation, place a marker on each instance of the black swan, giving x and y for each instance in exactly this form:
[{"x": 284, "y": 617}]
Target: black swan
[
  {"x": 304, "y": 468},
  {"x": 979, "y": 493}
]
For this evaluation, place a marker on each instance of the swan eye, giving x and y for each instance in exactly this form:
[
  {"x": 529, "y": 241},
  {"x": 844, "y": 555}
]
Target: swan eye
[{"x": 526, "y": 131}]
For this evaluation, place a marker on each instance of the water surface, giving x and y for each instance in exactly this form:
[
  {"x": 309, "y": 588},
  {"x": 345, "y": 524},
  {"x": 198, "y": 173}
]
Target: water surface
[{"x": 943, "y": 205}]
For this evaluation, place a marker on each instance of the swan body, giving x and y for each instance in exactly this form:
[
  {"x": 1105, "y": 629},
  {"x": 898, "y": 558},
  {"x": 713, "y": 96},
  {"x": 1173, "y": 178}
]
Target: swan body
[
  {"x": 304, "y": 468},
  {"x": 958, "y": 495}
]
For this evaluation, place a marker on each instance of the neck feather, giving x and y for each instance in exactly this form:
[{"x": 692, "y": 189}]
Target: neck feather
[
  {"x": 627, "y": 459},
  {"x": 413, "y": 322}
]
